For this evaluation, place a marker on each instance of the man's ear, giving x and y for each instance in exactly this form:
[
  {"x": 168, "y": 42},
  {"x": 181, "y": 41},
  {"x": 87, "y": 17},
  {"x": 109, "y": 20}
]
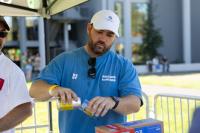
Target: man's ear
[{"x": 89, "y": 27}]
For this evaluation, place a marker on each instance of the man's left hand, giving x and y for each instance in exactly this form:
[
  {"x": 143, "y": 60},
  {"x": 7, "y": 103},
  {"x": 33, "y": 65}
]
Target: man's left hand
[{"x": 100, "y": 105}]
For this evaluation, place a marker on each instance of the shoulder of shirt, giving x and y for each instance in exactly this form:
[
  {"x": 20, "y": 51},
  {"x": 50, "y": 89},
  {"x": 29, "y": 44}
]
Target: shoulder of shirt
[
  {"x": 70, "y": 53},
  {"x": 12, "y": 66},
  {"x": 120, "y": 58}
]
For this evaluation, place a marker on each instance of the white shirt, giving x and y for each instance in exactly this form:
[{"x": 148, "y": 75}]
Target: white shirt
[{"x": 14, "y": 90}]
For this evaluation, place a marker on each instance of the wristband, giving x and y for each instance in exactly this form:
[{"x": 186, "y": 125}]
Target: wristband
[
  {"x": 116, "y": 100},
  {"x": 51, "y": 88}
]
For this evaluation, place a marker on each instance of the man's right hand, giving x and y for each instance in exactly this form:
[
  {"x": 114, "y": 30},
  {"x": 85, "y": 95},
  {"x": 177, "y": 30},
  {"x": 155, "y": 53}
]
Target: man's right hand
[
  {"x": 66, "y": 95},
  {"x": 40, "y": 91}
]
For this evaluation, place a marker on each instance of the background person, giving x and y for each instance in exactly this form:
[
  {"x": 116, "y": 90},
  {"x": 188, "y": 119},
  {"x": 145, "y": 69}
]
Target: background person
[
  {"x": 165, "y": 63},
  {"x": 28, "y": 70},
  {"x": 36, "y": 64},
  {"x": 93, "y": 72},
  {"x": 14, "y": 98}
]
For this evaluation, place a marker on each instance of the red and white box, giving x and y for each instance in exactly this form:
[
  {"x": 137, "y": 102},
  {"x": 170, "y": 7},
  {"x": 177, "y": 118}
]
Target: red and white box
[{"x": 140, "y": 126}]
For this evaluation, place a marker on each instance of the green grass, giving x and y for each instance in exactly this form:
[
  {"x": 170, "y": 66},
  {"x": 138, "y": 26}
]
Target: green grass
[
  {"x": 190, "y": 80},
  {"x": 180, "y": 80}
]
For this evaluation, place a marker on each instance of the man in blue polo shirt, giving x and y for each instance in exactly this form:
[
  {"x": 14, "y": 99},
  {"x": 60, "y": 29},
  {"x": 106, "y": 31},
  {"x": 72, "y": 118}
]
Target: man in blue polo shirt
[{"x": 108, "y": 81}]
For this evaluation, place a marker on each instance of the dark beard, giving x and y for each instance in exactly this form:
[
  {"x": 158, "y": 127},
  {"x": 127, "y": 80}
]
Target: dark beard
[{"x": 98, "y": 48}]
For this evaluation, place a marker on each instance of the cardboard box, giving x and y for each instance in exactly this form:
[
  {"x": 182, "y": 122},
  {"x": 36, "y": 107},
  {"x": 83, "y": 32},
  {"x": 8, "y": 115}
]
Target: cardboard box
[
  {"x": 140, "y": 126},
  {"x": 114, "y": 128}
]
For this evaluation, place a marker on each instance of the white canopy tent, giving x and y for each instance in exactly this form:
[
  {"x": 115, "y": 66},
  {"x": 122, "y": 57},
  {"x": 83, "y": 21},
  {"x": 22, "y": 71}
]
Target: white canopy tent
[{"x": 44, "y": 8}]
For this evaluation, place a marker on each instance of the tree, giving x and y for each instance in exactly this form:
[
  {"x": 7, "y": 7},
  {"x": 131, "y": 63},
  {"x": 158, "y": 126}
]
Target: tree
[{"x": 152, "y": 38}]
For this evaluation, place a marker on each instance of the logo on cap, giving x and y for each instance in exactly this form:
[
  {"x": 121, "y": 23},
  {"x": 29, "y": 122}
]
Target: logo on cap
[{"x": 109, "y": 18}]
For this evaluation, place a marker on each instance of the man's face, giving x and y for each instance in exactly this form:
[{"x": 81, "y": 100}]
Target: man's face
[
  {"x": 2, "y": 39},
  {"x": 100, "y": 41}
]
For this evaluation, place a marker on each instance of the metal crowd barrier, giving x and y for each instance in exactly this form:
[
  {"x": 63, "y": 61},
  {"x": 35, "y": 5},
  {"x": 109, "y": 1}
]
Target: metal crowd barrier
[
  {"x": 175, "y": 111},
  {"x": 37, "y": 125}
]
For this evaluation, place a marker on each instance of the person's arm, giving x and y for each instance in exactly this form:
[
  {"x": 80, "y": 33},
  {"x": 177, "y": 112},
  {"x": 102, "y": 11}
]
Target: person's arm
[
  {"x": 15, "y": 116},
  {"x": 40, "y": 91},
  {"x": 128, "y": 104}
]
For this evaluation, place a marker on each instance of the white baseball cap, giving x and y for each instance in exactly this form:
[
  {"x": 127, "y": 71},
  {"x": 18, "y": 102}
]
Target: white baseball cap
[{"x": 106, "y": 20}]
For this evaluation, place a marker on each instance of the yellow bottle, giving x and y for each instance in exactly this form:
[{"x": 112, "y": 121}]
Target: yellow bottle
[
  {"x": 84, "y": 108},
  {"x": 66, "y": 106}
]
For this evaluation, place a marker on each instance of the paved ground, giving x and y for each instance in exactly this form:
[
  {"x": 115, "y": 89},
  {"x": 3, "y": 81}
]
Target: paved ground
[{"x": 154, "y": 89}]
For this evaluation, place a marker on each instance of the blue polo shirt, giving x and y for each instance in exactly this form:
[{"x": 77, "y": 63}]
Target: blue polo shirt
[{"x": 115, "y": 76}]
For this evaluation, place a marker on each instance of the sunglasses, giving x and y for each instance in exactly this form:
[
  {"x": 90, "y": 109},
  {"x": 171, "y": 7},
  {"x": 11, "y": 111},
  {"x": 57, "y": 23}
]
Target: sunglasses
[
  {"x": 3, "y": 34},
  {"x": 92, "y": 69}
]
